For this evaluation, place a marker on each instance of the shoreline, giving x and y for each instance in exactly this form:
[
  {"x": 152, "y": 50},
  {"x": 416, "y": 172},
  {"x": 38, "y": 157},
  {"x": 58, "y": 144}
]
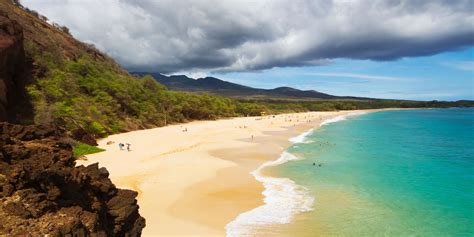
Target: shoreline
[
  {"x": 284, "y": 198},
  {"x": 196, "y": 182}
]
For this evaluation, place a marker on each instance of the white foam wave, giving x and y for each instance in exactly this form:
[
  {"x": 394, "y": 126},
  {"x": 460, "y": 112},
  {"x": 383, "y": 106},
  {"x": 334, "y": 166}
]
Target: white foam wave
[
  {"x": 283, "y": 199},
  {"x": 341, "y": 118},
  {"x": 301, "y": 138}
]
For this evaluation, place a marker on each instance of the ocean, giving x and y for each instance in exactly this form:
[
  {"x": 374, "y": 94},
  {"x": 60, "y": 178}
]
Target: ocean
[{"x": 388, "y": 173}]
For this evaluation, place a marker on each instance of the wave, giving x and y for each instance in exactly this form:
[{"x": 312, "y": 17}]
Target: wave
[
  {"x": 340, "y": 118},
  {"x": 283, "y": 199},
  {"x": 302, "y": 137}
]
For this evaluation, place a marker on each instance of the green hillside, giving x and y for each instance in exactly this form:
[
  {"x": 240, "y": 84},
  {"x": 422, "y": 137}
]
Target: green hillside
[{"x": 77, "y": 86}]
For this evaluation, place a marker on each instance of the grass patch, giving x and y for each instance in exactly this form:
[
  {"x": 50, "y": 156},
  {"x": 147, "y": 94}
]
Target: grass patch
[{"x": 83, "y": 149}]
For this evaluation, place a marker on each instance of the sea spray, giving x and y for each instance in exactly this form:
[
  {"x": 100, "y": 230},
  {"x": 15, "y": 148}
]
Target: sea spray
[{"x": 283, "y": 199}]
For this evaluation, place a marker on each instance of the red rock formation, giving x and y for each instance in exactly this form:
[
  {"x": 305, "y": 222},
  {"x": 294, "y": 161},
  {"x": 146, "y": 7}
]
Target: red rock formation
[
  {"x": 42, "y": 192},
  {"x": 15, "y": 71}
]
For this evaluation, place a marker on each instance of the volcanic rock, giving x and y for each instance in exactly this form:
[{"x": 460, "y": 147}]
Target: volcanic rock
[{"x": 43, "y": 192}]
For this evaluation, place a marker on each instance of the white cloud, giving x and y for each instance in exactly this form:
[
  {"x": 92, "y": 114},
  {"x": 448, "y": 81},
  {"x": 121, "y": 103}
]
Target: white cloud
[{"x": 240, "y": 35}]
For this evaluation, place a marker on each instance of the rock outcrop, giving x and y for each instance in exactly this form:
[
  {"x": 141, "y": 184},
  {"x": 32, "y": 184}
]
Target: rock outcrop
[
  {"x": 42, "y": 192},
  {"x": 15, "y": 72}
]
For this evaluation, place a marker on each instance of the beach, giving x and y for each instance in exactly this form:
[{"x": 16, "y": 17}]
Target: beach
[{"x": 195, "y": 178}]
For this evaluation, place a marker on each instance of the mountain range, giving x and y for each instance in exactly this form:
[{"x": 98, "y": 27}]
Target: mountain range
[{"x": 216, "y": 86}]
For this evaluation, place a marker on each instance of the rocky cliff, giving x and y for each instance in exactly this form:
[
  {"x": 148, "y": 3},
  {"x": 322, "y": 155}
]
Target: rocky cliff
[
  {"x": 42, "y": 192},
  {"x": 15, "y": 70}
]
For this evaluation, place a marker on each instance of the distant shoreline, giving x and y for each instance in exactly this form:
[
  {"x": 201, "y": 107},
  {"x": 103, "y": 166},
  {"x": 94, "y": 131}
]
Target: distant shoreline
[{"x": 195, "y": 178}]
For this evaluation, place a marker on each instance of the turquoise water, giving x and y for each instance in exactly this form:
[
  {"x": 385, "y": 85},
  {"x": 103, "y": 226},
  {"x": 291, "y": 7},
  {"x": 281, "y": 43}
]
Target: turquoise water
[{"x": 391, "y": 173}]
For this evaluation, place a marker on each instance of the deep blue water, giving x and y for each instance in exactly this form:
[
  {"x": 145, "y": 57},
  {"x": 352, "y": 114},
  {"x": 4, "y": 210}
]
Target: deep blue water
[{"x": 390, "y": 173}]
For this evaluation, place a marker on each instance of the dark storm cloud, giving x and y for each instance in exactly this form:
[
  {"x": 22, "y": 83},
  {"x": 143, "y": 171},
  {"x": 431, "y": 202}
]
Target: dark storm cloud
[{"x": 215, "y": 35}]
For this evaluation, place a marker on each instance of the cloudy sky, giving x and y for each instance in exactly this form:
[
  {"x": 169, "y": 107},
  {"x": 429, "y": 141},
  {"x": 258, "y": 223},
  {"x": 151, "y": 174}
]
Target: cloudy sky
[{"x": 412, "y": 49}]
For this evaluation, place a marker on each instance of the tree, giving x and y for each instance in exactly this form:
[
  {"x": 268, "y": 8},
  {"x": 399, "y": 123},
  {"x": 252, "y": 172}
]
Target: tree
[{"x": 65, "y": 30}]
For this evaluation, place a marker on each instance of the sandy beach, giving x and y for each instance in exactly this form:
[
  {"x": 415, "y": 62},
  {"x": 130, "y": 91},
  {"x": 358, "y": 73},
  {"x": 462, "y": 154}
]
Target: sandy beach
[{"x": 194, "y": 178}]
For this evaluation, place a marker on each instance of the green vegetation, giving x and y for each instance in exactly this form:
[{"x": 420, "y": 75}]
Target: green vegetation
[
  {"x": 81, "y": 149},
  {"x": 279, "y": 105},
  {"x": 101, "y": 99}
]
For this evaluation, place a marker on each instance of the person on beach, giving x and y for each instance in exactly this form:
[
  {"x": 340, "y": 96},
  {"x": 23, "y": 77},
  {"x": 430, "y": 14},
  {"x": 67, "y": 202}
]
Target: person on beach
[
  {"x": 120, "y": 146},
  {"x": 128, "y": 146},
  {"x": 252, "y": 137}
]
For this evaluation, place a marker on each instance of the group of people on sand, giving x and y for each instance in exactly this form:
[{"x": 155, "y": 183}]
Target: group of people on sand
[{"x": 122, "y": 146}]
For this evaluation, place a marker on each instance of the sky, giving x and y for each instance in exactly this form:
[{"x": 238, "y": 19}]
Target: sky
[{"x": 401, "y": 49}]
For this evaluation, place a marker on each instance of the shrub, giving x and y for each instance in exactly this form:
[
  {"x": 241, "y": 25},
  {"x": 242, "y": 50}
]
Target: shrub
[{"x": 81, "y": 149}]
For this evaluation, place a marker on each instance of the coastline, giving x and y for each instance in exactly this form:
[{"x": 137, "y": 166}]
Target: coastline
[
  {"x": 284, "y": 199},
  {"x": 196, "y": 182}
]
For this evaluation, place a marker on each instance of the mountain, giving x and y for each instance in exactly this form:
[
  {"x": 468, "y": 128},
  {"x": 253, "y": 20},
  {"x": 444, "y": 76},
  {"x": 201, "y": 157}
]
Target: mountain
[{"x": 220, "y": 87}]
